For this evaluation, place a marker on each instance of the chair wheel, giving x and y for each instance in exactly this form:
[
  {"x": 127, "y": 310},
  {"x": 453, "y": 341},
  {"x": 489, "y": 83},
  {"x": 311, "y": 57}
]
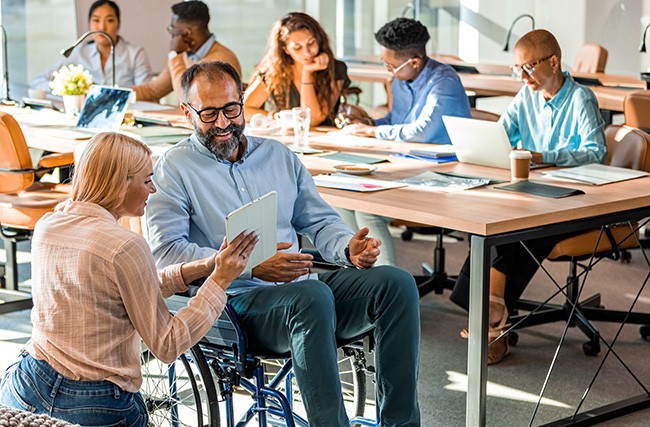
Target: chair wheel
[
  {"x": 591, "y": 349},
  {"x": 645, "y": 332},
  {"x": 407, "y": 235},
  {"x": 513, "y": 338}
]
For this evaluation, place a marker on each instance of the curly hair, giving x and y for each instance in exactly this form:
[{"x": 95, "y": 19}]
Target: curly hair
[
  {"x": 403, "y": 34},
  {"x": 193, "y": 12},
  {"x": 276, "y": 68}
]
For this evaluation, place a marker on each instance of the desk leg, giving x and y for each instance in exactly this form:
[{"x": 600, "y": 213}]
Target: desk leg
[{"x": 478, "y": 326}]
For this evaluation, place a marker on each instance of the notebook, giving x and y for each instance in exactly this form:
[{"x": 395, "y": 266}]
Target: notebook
[
  {"x": 103, "y": 111},
  {"x": 479, "y": 142}
]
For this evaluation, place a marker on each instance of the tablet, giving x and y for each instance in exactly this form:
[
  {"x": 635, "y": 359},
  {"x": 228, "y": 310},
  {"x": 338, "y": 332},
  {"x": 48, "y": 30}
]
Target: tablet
[{"x": 259, "y": 215}]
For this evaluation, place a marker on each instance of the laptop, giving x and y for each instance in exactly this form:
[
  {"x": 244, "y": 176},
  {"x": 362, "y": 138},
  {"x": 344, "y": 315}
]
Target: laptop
[
  {"x": 480, "y": 142},
  {"x": 103, "y": 111}
]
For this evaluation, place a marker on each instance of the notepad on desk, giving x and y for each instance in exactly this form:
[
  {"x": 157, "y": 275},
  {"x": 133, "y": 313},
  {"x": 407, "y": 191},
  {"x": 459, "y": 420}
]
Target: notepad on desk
[
  {"x": 594, "y": 174},
  {"x": 158, "y": 134},
  {"x": 441, "y": 151},
  {"x": 346, "y": 182}
]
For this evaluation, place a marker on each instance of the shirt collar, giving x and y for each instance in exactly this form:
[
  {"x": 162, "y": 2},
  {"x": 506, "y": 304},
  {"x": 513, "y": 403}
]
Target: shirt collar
[
  {"x": 562, "y": 94},
  {"x": 85, "y": 209},
  {"x": 201, "y": 52},
  {"x": 423, "y": 77},
  {"x": 95, "y": 51}
]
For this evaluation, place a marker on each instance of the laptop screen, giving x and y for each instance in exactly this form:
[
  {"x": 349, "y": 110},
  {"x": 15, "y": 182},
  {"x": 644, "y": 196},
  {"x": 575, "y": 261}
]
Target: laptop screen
[{"x": 104, "y": 108}]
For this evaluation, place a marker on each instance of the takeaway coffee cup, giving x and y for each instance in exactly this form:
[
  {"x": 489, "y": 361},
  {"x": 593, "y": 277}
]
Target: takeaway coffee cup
[{"x": 520, "y": 164}]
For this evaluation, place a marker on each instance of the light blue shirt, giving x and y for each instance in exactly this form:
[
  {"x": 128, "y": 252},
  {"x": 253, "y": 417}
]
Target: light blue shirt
[
  {"x": 418, "y": 106},
  {"x": 186, "y": 216},
  {"x": 203, "y": 50},
  {"x": 131, "y": 66},
  {"x": 567, "y": 129}
]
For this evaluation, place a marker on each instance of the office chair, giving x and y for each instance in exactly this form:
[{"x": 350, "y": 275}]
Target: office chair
[
  {"x": 630, "y": 148},
  {"x": 436, "y": 278},
  {"x": 23, "y": 201},
  {"x": 636, "y": 109},
  {"x": 591, "y": 58}
]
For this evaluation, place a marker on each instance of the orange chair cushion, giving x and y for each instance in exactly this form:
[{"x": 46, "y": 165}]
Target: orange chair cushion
[
  {"x": 583, "y": 245},
  {"x": 24, "y": 209}
]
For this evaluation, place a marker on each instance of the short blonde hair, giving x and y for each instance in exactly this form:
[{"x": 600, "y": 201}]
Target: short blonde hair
[{"x": 101, "y": 174}]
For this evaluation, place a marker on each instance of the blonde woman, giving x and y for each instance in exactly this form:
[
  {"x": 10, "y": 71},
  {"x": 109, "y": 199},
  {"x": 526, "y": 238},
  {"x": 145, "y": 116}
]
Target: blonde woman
[
  {"x": 97, "y": 294},
  {"x": 298, "y": 70}
]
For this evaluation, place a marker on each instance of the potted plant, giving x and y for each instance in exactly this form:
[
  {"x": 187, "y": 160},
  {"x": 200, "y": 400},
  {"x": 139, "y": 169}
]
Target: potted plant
[{"x": 71, "y": 82}]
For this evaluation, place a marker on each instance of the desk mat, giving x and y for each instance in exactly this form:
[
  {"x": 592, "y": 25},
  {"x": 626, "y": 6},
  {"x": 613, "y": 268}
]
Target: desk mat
[
  {"x": 353, "y": 158},
  {"x": 541, "y": 189}
]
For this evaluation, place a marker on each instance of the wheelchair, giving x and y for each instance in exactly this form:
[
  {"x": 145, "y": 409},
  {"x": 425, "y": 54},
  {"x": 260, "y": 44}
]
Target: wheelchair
[{"x": 201, "y": 387}]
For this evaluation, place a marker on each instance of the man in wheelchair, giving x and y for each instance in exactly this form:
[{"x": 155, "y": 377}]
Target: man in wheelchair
[{"x": 280, "y": 305}]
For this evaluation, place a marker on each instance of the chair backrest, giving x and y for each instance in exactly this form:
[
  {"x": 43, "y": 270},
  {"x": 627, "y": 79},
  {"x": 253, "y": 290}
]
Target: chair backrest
[
  {"x": 13, "y": 155},
  {"x": 636, "y": 108},
  {"x": 628, "y": 147},
  {"x": 484, "y": 115},
  {"x": 591, "y": 58}
]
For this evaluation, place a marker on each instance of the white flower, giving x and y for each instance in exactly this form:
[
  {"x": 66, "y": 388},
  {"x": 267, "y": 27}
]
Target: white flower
[{"x": 71, "y": 80}]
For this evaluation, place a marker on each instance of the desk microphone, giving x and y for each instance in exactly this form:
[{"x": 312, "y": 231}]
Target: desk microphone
[
  {"x": 525, "y": 15},
  {"x": 5, "y": 66},
  {"x": 642, "y": 47},
  {"x": 68, "y": 51}
]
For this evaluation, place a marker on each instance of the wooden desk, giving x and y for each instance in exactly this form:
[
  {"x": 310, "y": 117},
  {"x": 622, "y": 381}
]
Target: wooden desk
[
  {"x": 610, "y": 96},
  {"x": 493, "y": 217}
]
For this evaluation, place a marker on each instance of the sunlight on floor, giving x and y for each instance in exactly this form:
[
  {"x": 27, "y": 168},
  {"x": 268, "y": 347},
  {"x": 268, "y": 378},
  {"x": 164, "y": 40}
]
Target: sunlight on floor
[{"x": 458, "y": 382}]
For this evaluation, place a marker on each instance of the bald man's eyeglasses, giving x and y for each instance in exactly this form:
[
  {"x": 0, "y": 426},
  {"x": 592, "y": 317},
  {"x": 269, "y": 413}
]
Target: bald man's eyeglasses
[{"x": 518, "y": 70}]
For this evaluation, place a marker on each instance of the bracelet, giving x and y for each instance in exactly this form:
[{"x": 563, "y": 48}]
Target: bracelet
[{"x": 306, "y": 83}]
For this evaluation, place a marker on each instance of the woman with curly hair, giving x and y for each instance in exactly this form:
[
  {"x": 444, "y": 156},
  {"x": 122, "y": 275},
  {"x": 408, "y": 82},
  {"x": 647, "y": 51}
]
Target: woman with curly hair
[{"x": 298, "y": 70}]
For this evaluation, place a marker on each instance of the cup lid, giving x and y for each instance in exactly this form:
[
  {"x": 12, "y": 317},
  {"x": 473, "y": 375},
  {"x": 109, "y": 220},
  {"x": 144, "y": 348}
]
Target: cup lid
[{"x": 521, "y": 154}]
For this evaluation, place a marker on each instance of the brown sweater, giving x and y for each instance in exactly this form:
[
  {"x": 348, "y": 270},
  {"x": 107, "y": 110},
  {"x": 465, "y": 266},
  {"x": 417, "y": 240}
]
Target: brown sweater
[{"x": 170, "y": 78}]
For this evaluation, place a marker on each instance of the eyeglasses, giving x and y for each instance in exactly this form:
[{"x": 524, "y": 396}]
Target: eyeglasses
[
  {"x": 518, "y": 70},
  {"x": 397, "y": 70},
  {"x": 209, "y": 115}
]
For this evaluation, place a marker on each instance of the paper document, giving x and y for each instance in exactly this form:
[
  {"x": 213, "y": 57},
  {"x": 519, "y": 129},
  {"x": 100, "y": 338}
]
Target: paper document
[
  {"x": 445, "y": 183},
  {"x": 259, "y": 215},
  {"x": 595, "y": 174},
  {"x": 158, "y": 134},
  {"x": 353, "y": 183},
  {"x": 435, "y": 152}
]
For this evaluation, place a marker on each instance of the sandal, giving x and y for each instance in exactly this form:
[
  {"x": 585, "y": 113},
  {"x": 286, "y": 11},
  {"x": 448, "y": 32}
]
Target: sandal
[{"x": 497, "y": 344}]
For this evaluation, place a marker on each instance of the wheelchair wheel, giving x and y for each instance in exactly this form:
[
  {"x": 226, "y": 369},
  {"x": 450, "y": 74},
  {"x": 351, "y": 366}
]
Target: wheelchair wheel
[
  {"x": 181, "y": 394},
  {"x": 353, "y": 384}
]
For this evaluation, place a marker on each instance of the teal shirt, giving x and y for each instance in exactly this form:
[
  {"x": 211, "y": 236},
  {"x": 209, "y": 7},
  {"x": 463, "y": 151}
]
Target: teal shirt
[{"x": 567, "y": 129}]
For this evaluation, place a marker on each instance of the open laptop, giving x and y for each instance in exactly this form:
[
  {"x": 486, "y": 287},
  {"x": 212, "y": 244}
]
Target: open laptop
[
  {"x": 103, "y": 111},
  {"x": 480, "y": 142}
]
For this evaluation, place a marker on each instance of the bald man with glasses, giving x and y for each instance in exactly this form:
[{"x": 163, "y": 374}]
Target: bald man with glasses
[{"x": 559, "y": 121}]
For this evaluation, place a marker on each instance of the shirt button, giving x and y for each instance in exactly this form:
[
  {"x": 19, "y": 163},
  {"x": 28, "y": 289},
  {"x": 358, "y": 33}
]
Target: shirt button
[{"x": 243, "y": 189}]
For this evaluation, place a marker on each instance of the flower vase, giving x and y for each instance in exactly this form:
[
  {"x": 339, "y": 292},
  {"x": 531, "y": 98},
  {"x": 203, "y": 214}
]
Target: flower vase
[{"x": 73, "y": 104}]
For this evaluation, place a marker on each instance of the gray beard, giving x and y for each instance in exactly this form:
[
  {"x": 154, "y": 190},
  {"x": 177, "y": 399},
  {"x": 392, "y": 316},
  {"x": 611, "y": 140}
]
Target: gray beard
[{"x": 222, "y": 150}]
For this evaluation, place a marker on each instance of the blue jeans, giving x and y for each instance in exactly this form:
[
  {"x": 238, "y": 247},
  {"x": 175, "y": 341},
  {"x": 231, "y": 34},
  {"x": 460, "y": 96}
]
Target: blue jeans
[
  {"x": 32, "y": 385},
  {"x": 310, "y": 316}
]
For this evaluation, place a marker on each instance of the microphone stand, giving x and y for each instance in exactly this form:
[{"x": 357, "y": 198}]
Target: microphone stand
[
  {"x": 68, "y": 51},
  {"x": 6, "y": 99},
  {"x": 525, "y": 15}
]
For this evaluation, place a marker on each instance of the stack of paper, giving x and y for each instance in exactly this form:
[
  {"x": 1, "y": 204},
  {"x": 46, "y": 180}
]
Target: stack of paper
[
  {"x": 352, "y": 183},
  {"x": 595, "y": 174},
  {"x": 158, "y": 134}
]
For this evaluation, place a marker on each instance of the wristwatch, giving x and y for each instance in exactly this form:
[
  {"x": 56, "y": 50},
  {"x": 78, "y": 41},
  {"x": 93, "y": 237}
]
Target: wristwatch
[{"x": 346, "y": 251}]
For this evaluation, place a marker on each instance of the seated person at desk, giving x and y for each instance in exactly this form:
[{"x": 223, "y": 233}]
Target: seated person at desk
[
  {"x": 131, "y": 62},
  {"x": 298, "y": 70},
  {"x": 280, "y": 307},
  {"x": 191, "y": 42},
  {"x": 559, "y": 122},
  {"x": 91, "y": 315},
  {"x": 422, "y": 91}
]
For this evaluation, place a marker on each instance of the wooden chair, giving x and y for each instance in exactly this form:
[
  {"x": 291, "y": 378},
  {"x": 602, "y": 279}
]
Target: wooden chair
[
  {"x": 591, "y": 58},
  {"x": 629, "y": 148},
  {"x": 636, "y": 109},
  {"x": 23, "y": 201}
]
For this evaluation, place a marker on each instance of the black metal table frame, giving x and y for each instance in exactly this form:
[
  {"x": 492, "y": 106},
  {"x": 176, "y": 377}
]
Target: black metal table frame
[{"x": 480, "y": 251}]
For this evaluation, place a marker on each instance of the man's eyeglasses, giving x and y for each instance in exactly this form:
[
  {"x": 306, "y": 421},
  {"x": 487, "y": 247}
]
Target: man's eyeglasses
[
  {"x": 397, "y": 70},
  {"x": 209, "y": 115},
  {"x": 518, "y": 70}
]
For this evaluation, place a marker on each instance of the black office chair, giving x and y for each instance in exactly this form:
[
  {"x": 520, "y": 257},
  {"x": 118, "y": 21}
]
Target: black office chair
[{"x": 630, "y": 148}]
